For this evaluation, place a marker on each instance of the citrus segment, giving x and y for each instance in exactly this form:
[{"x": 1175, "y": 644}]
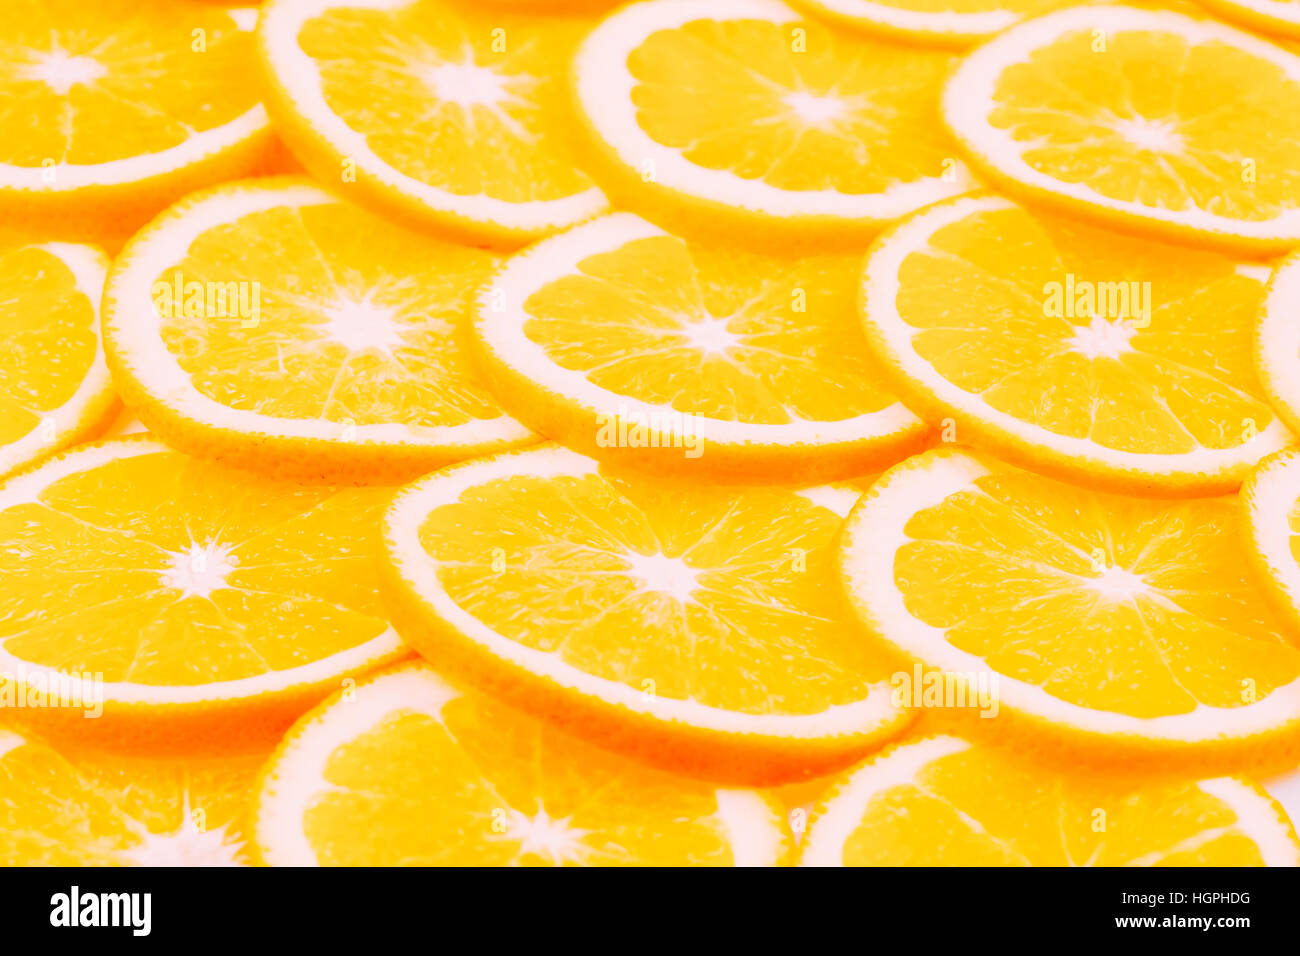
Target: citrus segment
[
  {"x": 1279, "y": 18},
  {"x": 741, "y": 119},
  {"x": 270, "y": 325},
  {"x": 441, "y": 113},
  {"x": 1277, "y": 345},
  {"x": 948, "y": 23},
  {"x": 187, "y": 601},
  {"x": 408, "y": 770},
  {"x": 628, "y": 343},
  {"x": 1150, "y": 120},
  {"x": 68, "y": 806},
  {"x": 1098, "y": 357},
  {"x": 116, "y": 108},
  {"x": 688, "y": 623},
  {"x": 942, "y": 802},
  {"x": 1271, "y": 498},
  {"x": 1126, "y": 627},
  {"x": 54, "y": 386}
]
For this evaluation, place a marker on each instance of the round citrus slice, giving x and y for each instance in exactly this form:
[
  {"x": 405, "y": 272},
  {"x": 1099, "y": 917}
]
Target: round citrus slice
[
  {"x": 740, "y": 119},
  {"x": 54, "y": 386},
  {"x": 273, "y": 326},
  {"x": 437, "y": 112},
  {"x": 69, "y": 806},
  {"x": 1076, "y": 109},
  {"x": 942, "y": 801},
  {"x": 151, "y": 598},
  {"x": 1126, "y": 629},
  {"x": 1277, "y": 346},
  {"x": 627, "y": 343},
  {"x": 119, "y": 107},
  {"x": 1271, "y": 496},
  {"x": 406, "y": 769},
  {"x": 1280, "y": 18},
  {"x": 690, "y": 624},
  {"x": 948, "y": 23},
  {"x": 1099, "y": 358}
]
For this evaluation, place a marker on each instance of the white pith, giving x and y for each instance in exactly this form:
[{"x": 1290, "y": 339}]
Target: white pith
[
  {"x": 1270, "y": 495},
  {"x": 132, "y": 324},
  {"x": 968, "y": 100},
  {"x": 298, "y": 73},
  {"x": 880, "y": 296},
  {"x": 1277, "y": 352},
  {"x": 26, "y": 489},
  {"x": 418, "y": 571},
  {"x": 949, "y": 24},
  {"x": 296, "y": 778},
  {"x": 501, "y": 317},
  {"x": 197, "y": 147},
  {"x": 873, "y": 536},
  {"x": 88, "y": 266},
  {"x": 1258, "y": 818},
  {"x": 605, "y": 86}
]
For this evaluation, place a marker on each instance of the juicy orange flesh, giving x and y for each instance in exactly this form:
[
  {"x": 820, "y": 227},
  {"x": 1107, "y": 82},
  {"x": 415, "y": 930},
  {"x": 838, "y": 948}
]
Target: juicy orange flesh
[
  {"x": 978, "y": 808},
  {"x": 326, "y": 312},
  {"x": 1135, "y": 346},
  {"x": 83, "y": 84},
  {"x": 483, "y": 785},
  {"x": 795, "y": 104},
  {"x": 710, "y": 595},
  {"x": 1158, "y": 121},
  {"x": 162, "y": 570},
  {"x": 1134, "y": 606},
  {"x": 713, "y": 333},
  {"x": 73, "y": 809},
  {"x": 47, "y": 338},
  {"x": 471, "y": 102}
]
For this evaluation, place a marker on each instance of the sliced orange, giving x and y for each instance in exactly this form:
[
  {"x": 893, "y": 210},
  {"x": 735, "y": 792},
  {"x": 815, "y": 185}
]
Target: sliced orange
[
  {"x": 54, "y": 386},
  {"x": 634, "y": 345},
  {"x": 1148, "y": 120},
  {"x": 440, "y": 113},
  {"x": 1279, "y": 18},
  {"x": 70, "y": 806},
  {"x": 270, "y": 325},
  {"x": 688, "y": 624},
  {"x": 116, "y": 108},
  {"x": 1277, "y": 343},
  {"x": 1271, "y": 499},
  {"x": 1118, "y": 629},
  {"x": 948, "y": 23},
  {"x": 405, "y": 769},
  {"x": 151, "y": 598},
  {"x": 941, "y": 801},
  {"x": 1097, "y": 357},
  {"x": 742, "y": 120}
]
